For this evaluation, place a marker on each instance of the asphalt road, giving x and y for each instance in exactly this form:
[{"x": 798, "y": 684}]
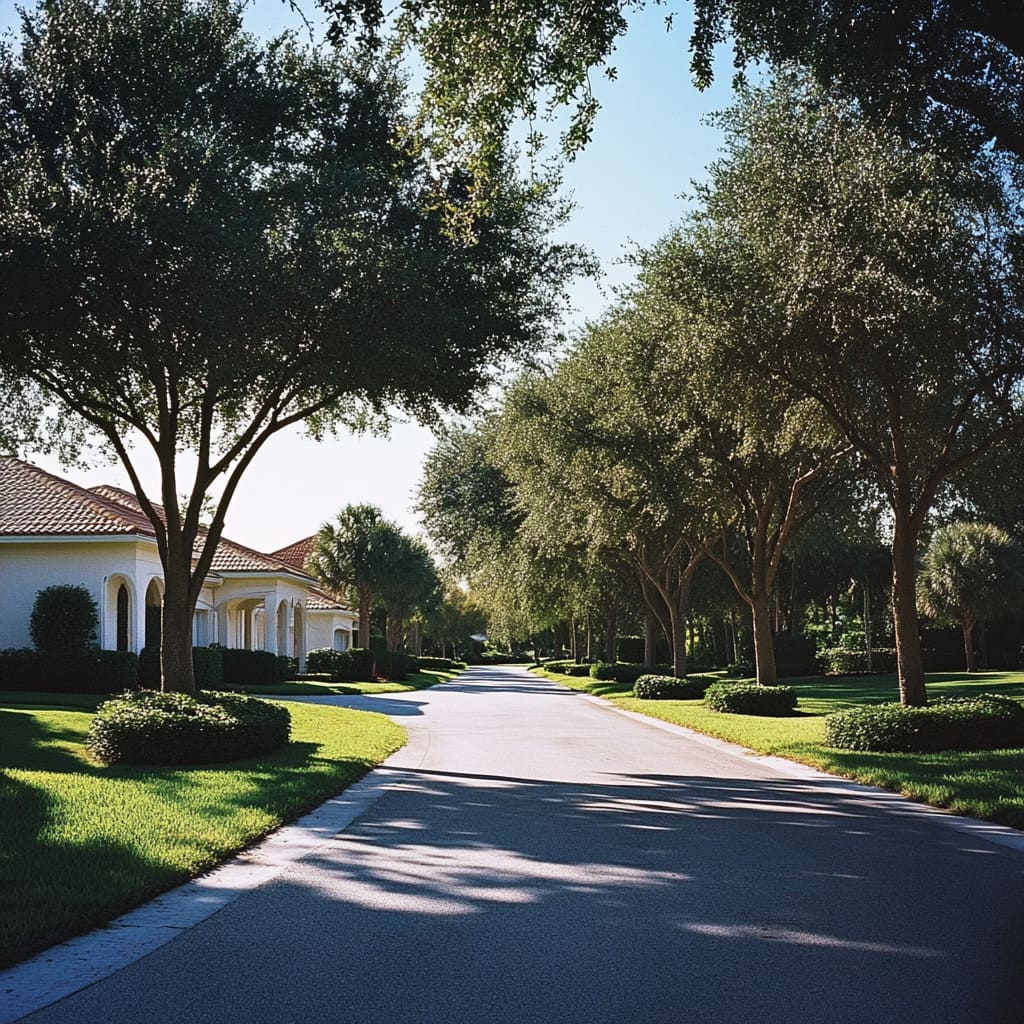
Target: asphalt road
[{"x": 540, "y": 858}]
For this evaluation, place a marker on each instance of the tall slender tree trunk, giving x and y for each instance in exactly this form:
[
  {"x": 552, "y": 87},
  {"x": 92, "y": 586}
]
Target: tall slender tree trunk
[
  {"x": 365, "y": 601},
  {"x": 904, "y": 612},
  {"x": 764, "y": 648},
  {"x": 611, "y": 625},
  {"x": 176, "y": 671},
  {"x": 868, "y": 643},
  {"x": 968, "y": 630},
  {"x": 650, "y": 639},
  {"x": 590, "y": 639}
]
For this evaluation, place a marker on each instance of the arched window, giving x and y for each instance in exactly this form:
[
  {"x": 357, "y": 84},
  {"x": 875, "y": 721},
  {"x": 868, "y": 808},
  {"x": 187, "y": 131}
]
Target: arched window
[{"x": 122, "y": 618}]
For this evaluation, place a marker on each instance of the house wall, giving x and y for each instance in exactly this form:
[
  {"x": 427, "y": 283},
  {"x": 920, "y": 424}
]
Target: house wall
[
  {"x": 323, "y": 624},
  {"x": 98, "y": 564}
]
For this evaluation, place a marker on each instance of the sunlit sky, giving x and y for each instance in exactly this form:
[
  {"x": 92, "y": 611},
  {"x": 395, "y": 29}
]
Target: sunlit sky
[{"x": 648, "y": 145}]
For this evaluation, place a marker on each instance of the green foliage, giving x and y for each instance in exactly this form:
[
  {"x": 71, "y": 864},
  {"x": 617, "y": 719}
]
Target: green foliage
[
  {"x": 739, "y": 670},
  {"x": 443, "y": 664},
  {"x": 327, "y": 661},
  {"x": 651, "y": 687},
  {"x": 970, "y": 572},
  {"x": 174, "y": 728},
  {"x": 362, "y": 660},
  {"x": 89, "y": 671},
  {"x": 751, "y": 699},
  {"x": 397, "y": 665},
  {"x": 980, "y": 722},
  {"x": 839, "y": 661},
  {"x": 64, "y": 619},
  {"x": 249, "y": 668},
  {"x": 208, "y": 666}
]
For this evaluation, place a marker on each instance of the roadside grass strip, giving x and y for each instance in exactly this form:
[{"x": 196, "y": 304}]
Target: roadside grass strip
[
  {"x": 81, "y": 844},
  {"x": 986, "y": 784}
]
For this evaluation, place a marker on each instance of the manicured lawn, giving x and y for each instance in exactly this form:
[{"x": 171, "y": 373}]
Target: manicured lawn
[
  {"x": 982, "y": 784},
  {"x": 80, "y": 843},
  {"x": 311, "y": 688}
]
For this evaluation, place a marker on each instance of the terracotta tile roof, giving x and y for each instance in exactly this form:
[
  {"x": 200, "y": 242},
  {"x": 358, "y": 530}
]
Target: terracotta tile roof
[
  {"x": 296, "y": 554},
  {"x": 36, "y": 503},
  {"x": 321, "y": 600}
]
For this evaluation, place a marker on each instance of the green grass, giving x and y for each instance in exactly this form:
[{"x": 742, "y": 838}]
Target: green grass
[
  {"x": 82, "y": 843},
  {"x": 309, "y": 687},
  {"x": 983, "y": 784}
]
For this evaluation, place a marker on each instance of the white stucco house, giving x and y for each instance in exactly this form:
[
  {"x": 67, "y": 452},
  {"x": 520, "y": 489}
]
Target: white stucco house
[{"x": 54, "y": 532}]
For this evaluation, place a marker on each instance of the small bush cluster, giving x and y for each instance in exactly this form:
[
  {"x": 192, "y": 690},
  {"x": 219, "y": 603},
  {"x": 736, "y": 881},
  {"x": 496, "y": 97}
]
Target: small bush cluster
[
  {"x": 751, "y": 699},
  {"x": 442, "y": 664},
  {"x": 249, "y": 668},
  {"x": 652, "y": 687},
  {"x": 837, "y": 661},
  {"x": 740, "y": 670},
  {"x": 494, "y": 658},
  {"x": 88, "y": 671},
  {"x": 982, "y": 722},
  {"x": 397, "y": 665},
  {"x": 627, "y": 672},
  {"x": 64, "y": 619},
  {"x": 354, "y": 665},
  {"x": 149, "y": 727},
  {"x": 568, "y": 668}
]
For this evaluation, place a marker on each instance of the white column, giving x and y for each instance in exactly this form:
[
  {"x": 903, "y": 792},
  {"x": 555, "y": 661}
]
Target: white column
[
  {"x": 270, "y": 622},
  {"x": 137, "y": 625}
]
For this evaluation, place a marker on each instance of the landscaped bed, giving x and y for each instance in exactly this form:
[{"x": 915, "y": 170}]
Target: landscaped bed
[
  {"x": 985, "y": 784},
  {"x": 83, "y": 843}
]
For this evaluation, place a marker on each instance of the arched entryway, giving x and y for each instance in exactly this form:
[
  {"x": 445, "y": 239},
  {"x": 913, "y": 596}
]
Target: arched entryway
[{"x": 154, "y": 613}]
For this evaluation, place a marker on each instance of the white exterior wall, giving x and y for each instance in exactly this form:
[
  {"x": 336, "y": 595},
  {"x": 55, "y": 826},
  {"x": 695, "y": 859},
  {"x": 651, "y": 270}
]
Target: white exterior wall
[
  {"x": 99, "y": 564},
  {"x": 322, "y": 625}
]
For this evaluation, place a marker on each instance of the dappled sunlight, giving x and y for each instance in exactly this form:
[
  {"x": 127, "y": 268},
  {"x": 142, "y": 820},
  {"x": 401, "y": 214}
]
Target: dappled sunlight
[{"x": 799, "y": 938}]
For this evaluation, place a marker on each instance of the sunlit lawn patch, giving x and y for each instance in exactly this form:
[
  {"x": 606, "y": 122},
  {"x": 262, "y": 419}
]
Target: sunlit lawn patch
[{"x": 81, "y": 843}]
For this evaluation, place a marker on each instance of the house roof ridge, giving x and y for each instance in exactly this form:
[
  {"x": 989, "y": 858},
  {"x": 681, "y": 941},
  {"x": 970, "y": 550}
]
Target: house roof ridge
[{"x": 83, "y": 511}]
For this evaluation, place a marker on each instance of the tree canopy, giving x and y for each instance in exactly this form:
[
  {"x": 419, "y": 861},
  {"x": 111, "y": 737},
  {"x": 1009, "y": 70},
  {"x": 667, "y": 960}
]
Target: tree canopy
[{"x": 206, "y": 238}]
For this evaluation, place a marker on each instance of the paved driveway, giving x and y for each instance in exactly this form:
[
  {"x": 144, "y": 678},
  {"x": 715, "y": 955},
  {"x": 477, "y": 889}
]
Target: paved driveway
[{"x": 540, "y": 857}]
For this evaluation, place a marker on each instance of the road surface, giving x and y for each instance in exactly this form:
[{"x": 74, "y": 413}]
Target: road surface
[{"x": 541, "y": 858}]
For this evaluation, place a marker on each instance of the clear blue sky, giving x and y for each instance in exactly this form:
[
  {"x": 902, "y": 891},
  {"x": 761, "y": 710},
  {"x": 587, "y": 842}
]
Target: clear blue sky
[{"x": 648, "y": 144}]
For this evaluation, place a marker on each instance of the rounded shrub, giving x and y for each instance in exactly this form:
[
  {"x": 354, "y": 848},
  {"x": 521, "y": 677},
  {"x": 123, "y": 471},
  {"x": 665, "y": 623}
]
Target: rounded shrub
[
  {"x": 751, "y": 699},
  {"x": 149, "y": 727},
  {"x": 64, "y": 619},
  {"x": 651, "y": 687},
  {"x": 982, "y": 722}
]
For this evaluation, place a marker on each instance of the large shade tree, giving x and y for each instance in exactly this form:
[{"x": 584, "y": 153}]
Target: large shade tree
[
  {"x": 205, "y": 239},
  {"x": 878, "y": 279}
]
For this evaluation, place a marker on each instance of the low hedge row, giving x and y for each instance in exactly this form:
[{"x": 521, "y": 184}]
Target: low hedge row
[
  {"x": 91, "y": 671},
  {"x": 149, "y": 727},
  {"x": 835, "y": 661},
  {"x": 626, "y": 671},
  {"x": 568, "y": 668},
  {"x": 982, "y": 722},
  {"x": 652, "y": 687},
  {"x": 443, "y": 664},
  {"x": 751, "y": 699},
  {"x": 354, "y": 665}
]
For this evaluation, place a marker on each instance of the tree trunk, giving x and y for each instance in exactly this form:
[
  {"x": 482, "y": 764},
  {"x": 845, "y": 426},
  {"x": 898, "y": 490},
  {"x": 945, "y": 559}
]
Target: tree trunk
[
  {"x": 650, "y": 640},
  {"x": 904, "y": 612},
  {"x": 968, "y": 628},
  {"x": 678, "y": 640},
  {"x": 365, "y": 598},
  {"x": 866, "y": 586},
  {"x": 176, "y": 672},
  {"x": 764, "y": 648},
  {"x": 611, "y": 652},
  {"x": 590, "y": 639}
]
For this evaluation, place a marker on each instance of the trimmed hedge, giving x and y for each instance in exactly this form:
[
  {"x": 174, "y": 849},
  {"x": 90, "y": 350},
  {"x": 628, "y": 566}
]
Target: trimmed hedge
[
  {"x": 207, "y": 666},
  {"x": 751, "y": 699},
  {"x": 651, "y": 687},
  {"x": 568, "y": 668},
  {"x": 363, "y": 664},
  {"x": 629, "y": 672},
  {"x": 982, "y": 722},
  {"x": 149, "y": 727},
  {"x": 249, "y": 668},
  {"x": 835, "y": 661},
  {"x": 336, "y": 665},
  {"x": 90, "y": 671},
  {"x": 740, "y": 670},
  {"x": 397, "y": 665}
]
